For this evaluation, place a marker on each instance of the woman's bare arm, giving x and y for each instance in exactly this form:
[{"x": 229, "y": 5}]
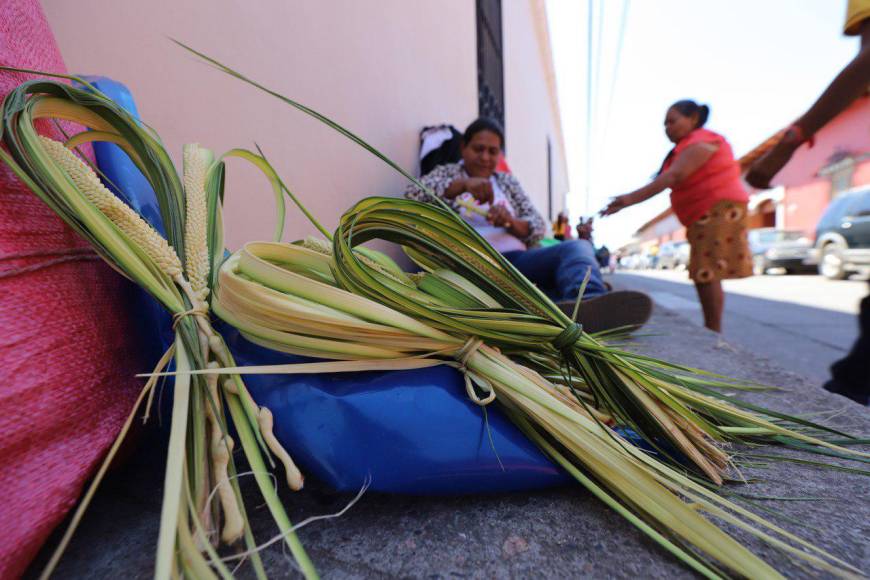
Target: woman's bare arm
[{"x": 687, "y": 163}]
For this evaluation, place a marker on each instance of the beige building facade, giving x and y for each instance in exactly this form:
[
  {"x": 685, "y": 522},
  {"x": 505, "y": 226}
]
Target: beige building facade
[{"x": 382, "y": 68}]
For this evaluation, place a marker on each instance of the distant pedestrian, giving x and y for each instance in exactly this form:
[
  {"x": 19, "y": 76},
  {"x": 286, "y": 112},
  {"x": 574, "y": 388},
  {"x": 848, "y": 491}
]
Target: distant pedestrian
[
  {"x": 652, "y": 255},
  {"x": 562, "y": 227},
  {"x": 708, "y": 198},
  {"x": 602, "y": 254},
  {"x": 584, "y": 232},
  {"x": 584, "y": 229}
]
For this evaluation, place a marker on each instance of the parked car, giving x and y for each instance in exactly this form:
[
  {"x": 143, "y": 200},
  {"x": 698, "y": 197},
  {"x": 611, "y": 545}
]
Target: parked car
[
  {"x": 786, "y": 249},
  {"x": 682, "y": 258},
  {"x": 673, "y": 256},
  {"x": 633, "y": 262},
  {"x": 843, "y": 235}
]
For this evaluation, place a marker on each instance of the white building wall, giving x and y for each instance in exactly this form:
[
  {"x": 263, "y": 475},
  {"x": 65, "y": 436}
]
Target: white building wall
[
  {"x": 382, "y": 69},
  {"x": 531, "y": 115}
]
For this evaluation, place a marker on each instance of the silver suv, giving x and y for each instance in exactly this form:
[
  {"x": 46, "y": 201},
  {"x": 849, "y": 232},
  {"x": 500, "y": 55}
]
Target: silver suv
[{"x": 843, "y": 235}]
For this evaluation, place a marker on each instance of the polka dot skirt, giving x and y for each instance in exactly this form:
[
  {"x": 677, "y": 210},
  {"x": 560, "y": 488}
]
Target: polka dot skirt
[{"x": 720, "y": 249}]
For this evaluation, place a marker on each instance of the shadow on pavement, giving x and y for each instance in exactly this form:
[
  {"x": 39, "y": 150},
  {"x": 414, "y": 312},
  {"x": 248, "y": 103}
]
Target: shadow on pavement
[{"x": 800, "y": 338}]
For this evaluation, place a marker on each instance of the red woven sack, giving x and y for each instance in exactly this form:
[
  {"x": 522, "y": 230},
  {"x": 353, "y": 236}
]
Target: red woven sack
[{"x": 66, "y": 363}]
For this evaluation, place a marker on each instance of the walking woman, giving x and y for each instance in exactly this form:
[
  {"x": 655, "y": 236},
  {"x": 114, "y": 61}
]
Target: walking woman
[{"x": 708, "y": 198}]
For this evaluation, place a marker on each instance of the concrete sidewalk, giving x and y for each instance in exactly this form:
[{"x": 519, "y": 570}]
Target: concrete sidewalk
[
  {"x": 555, "y": 534},
  {"x": 804, "y": 323}
]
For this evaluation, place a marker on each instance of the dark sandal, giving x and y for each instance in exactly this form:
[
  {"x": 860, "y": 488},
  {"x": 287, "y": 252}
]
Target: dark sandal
[{"x": 627, "y": 309}]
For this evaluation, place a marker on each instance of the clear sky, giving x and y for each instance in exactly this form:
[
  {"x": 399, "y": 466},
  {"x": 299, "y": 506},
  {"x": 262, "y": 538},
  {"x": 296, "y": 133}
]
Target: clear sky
[{"x": 758, "y": 64}]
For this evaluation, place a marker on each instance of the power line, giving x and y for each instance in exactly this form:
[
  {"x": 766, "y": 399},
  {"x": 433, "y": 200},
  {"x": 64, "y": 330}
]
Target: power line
[
  {"x": 599, "y": 37},
  {"x": 588, "y": 152},
  {"x": 626, "y": 4},
  {"x": 593, "y": 92}
]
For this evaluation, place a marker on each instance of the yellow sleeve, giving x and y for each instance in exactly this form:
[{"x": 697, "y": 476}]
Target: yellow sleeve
[{"x": 857, "y": 12}]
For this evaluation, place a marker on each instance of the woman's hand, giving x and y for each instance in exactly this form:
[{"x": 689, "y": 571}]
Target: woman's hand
[
  {"x": 618, "y": 203},
  {"x": 500, "y": 217},
  {"x": 480, "y": 188}
]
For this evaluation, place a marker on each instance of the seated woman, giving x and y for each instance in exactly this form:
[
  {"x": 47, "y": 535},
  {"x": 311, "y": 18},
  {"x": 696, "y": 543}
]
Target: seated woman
[{"x": 506, "y": 218}]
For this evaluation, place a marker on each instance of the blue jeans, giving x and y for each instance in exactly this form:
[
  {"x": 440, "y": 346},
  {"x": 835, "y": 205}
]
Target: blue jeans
[{"x": 558, "y": 270}]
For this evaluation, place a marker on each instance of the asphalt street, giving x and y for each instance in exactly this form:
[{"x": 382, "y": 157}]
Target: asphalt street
[{"x": 802, "y": 322}]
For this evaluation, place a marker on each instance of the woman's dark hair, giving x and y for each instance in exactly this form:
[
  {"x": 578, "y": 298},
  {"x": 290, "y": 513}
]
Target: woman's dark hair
[
  {"x": 688, "y": 107},
  {"x": 483, "y": 124}
]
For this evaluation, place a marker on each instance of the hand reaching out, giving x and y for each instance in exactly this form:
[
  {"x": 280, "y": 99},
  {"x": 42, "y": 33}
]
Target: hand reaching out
[{"x": 618, "y": 203}]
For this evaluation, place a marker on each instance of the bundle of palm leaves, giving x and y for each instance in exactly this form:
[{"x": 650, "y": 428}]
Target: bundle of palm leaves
[
  {"x": 202, "y": 502},
  {"x": 303, "y": 299},
  {"x": 334, "y": 299}
]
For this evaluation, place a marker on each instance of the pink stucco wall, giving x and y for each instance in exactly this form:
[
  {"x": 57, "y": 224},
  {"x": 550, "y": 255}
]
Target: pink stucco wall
[
  {"x": 807, "y": 194},
  {"x": 804, "y": 205},
  {"x": 849, "y": 132},
  {"x": 862, "y": 173}
]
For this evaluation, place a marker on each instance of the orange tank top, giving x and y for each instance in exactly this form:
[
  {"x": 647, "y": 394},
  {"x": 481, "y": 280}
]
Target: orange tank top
[{"x": 717, "y": 180}]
